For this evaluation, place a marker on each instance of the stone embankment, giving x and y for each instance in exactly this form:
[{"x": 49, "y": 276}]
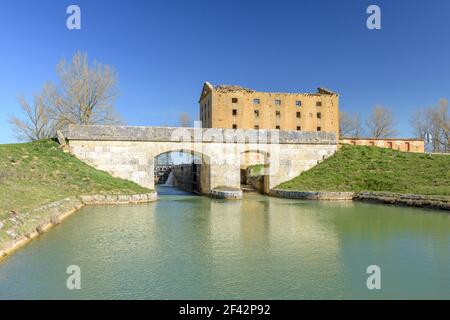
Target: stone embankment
[
  {"x": 312, "y": 195},
  {"x": 19, "y": 228},
  {"x": 411, "y": 200}
]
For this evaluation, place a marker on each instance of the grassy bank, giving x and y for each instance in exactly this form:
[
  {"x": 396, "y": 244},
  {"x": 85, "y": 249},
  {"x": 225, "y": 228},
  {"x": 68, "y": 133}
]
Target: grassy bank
[
  {"x": 37, "y": 173},
  {"x": 361, "y": 168}
]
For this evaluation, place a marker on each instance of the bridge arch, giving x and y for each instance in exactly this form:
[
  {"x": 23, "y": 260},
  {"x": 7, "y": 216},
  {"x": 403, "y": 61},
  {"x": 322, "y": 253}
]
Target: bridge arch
[
  {"x": 194, "y": 176},
  {"x": 259, "y": 160}
]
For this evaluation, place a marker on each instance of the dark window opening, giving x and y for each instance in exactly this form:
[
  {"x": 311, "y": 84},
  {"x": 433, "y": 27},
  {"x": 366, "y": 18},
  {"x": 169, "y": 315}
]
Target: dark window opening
[
  {"x": 298, "y": 103},
  {"x": 299, "y": 115},
  {"x": 234, "y": 126},
  {"x": 319, "y": 115},
  {"x": 319, "y": 103},
  {"x": 277, "y": 127},
  {"x": 234, "y": 100},
  {"x": 234, "y": 112},
  {"x": 319, "y": 128},
  {"x": 299, "y": 128}
]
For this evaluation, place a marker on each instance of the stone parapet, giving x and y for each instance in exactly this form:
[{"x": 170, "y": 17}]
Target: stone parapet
[{"x": 205, "y": 135}]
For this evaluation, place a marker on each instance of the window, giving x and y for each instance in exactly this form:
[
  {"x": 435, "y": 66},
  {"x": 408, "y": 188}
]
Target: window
[
  {"x": 319, "y": 128},
  {"x": 389, "y": 145},
  {"x": 298, "y": 103},
  {"x": 299, "y": 128},
  {"x": 318, "y": 103},
  {"x": 256, "y": 101},
  {"x": 234, "y": 126},
  {"x": 277, "y": 127},
  {"x": 319, "y": 115},
  {"x": 277, "y": 114},
  {"x": 299, "y": 115},
  {"x": 256, "y": 127},
  {"x": 407, "y": 146},
  {"x": 234, "y": 100},
  {"x": 277, "y": 102},
  {"x": 256, "y": 113},
  {"x": 372, "y": 144},
  {"x": 234, "y": 112}
]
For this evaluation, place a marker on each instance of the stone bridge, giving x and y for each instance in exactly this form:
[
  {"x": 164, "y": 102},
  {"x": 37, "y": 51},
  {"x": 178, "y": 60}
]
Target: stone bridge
[{"x": 129, "y": 152}]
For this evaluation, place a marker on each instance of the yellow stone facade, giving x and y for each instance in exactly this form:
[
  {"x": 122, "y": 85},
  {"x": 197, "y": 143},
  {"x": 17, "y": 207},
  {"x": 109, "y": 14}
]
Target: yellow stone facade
[
  {"x": 405, "y": 145},
  {"x": 241, "y": 108}
]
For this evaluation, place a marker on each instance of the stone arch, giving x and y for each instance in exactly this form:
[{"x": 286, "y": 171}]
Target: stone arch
[
  {"x": 205, "y": 172},
  {"x": 257, "y": 156}
]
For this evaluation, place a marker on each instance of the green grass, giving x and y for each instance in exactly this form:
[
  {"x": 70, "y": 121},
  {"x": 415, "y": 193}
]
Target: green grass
[
  {"x": 256, "y": 169},
  {"x": 37, "y": 173},
  {"x": 361, "y": 168}
]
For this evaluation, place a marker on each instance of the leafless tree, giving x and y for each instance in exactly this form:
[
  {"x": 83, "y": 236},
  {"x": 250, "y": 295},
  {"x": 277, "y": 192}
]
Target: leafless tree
[
  {"x": 185, "y": 120},
  {"x": 85, "y": 93},
  {"x": 435, "y": 121},
  {"x": 380, "y": 123},
  {"x": 349, "y": 124},
  {"x": 37, "y": 123}
]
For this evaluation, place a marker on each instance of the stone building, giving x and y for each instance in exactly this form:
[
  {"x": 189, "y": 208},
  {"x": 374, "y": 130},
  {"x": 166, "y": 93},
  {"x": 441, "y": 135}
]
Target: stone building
[{"x": 236, "y": 107}]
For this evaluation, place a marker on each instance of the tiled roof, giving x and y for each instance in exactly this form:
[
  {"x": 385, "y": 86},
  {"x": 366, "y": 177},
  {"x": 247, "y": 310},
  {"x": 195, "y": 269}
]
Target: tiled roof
[{"x": 223, "y": 88}]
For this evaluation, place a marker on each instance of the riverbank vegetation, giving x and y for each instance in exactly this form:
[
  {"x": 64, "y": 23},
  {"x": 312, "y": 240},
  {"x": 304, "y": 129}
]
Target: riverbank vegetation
[
  {"x": 37, "y": 173},
  {"x": 363, "y": 168}
]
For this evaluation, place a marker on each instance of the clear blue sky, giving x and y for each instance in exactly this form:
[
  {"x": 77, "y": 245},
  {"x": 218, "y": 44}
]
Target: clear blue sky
[{"x": 165, "y": 50}]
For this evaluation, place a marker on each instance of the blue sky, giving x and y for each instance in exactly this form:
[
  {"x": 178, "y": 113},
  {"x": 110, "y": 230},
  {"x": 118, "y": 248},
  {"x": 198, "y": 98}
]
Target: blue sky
[{"x": 165, "y": 50}]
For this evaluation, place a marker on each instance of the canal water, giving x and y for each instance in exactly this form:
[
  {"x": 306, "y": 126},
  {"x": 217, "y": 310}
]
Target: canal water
[{"x": 190, "y": 247}]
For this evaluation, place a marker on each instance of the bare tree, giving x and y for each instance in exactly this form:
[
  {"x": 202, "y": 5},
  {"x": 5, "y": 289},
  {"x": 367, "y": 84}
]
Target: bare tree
[
  {"x": 37, "y": 124},
  {"x": 185, "y": 120},
  {"x": 435, "y": 121},
  {"x": 380, "y": 123},
  {"x": 349, "y": 124},
  {"x": 420, "y": 123},
  {"x": 85, "y": 94},
  {"x": 441, "y": 126}
]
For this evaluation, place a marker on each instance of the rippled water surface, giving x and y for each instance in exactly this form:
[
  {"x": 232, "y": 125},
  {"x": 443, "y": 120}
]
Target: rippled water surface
[{"x": 191, "y": 247}]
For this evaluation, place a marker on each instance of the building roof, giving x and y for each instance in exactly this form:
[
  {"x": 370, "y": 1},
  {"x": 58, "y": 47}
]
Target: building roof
[{"x": 224, "y": 88}]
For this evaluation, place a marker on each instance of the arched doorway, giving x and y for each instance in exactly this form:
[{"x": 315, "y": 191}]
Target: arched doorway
[{"x": 255, "y": 170}]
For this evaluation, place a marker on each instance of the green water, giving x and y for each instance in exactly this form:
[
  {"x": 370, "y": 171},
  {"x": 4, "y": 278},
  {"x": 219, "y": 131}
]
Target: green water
[{"x": 190, "y": 247}]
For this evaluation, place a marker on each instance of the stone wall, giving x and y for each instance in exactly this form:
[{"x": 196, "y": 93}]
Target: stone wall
[
  {"x": 129, "y": 152},
  {"x": 312, "y": 195},
  {"x": 405, "y": 145}
]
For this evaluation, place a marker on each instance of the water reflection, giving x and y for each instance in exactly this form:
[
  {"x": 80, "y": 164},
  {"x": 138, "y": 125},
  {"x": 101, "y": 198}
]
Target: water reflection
[{"x": 191, "y": 247}]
